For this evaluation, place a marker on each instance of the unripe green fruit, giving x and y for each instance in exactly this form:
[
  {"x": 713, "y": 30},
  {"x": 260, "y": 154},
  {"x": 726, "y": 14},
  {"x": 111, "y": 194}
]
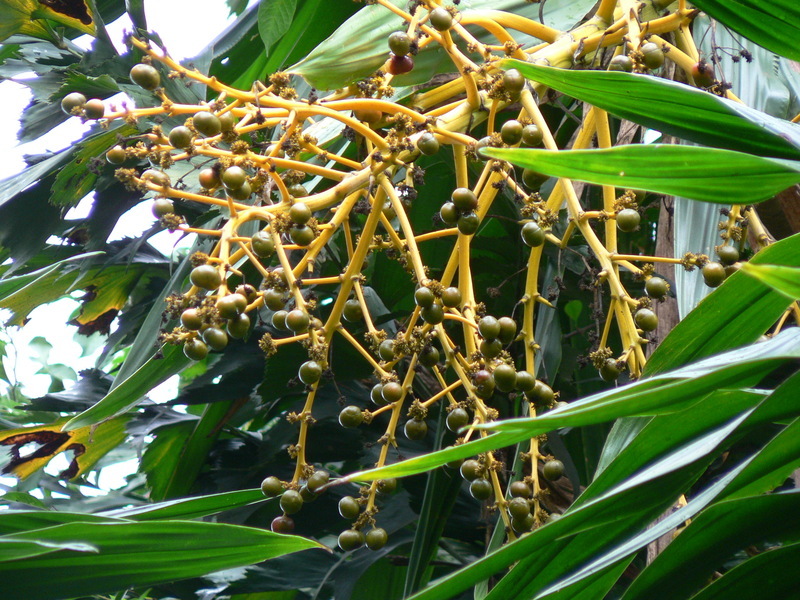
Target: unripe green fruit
[
  {"x": 349, "y": 508},
  {"x": 520, "y": 489},
  {"x": 238, "y": 326},
  {"x": 231, "y": 306},
  {"x": 451, "y": 297},
  {"x": 457, "y": 418},
  {"x": 541, "y": 394},
  {"x": 621, "y": 63},
  {"x": 271, "y": 486},
  {"x": 464, "y": 199},
  {"x": 415, "y": 429},
  {"x": 386, "y": 486},
  {"x": 116, "y": 156},
  {"x": 491, "y": 348},
  {"x": 145, "y": 76},
  {"x": 297, "y": 320},
  {"x": 646, "y": 319},
  {"x": 216, "y": 338},
  {"x": 518, "y": 508},
  {"x": 195, "y": 349},
  {"x": 317, "y": 480},
  {"x": 368, "y": 115},
  {"x": 298, "y": 190},
  {"x": 713, "y": 274},
  {"x": 274, "y": 300},
  {"x": 652, "y": 55},
  {"x": 508, "y": 329},
  {"x": 525, "y": 382},
  {"x": 386, "y": 350},
  {"x": 656, "y": 287},
  {"x": 471, "y": 469},
  {"x": 399, "y": 43},
  {"x": 190, "y": 318},
  {"x": 449, "y": 213},
  {"x": 489, "y": 327},
  {"x": 728, "y": 255},
  {"x": 523, "y": 525},
  {"x": 376, "y": 538},
  {"x": 162, "y": 206},
  {"x": 302, "y": 235},
  {"x": 376, "y": 394},
  {"x": 429, "y": 356},
  {"x": 282, "y": 524},
  {"x": 73, "y": 102},
  {"x": 434, "y": 314},
  {"x": 279, "y": 320},
  {"x": 532, "y": 234},
  {"x": 351, "y": 539},
  {"x": 481, "y": 489},
  {"x": 468, "y": 223},
  {"x": 94, "y": 109},
  {"x": 207, "y": 124},
  {"x": 156, "y": 177},
  {"x": 553, "y": 469},
  {"x": 532, "y": 135},
  {"x": 262, "y": 244},
  {"x": 424, "y": 297},
  {"x": 180, "y": 137},
  {"x": 352, "y": 310},
  {"x": 391, "y": 392},
  {"x": 505, "y": 377},
  {"x": 513, "y": 81},
  {"x": 609, "y": 371},
  {"x": 242, "y": 192},
  {"x": 351, "y": 416},
  {"x": 206, "y": 277},
  {"x": 532, "y": 179},
  {"x": 428, "y": 144},
  {"x": 234, "y": 177},
  {"x": 628, "y": 220},
  {"x": 441, "y": 19},
  {"x": 248, "y": 292},
  {"x": 310, "y": 372},
  {"x": 300, "y": 213},
  {"x": 511, "y": 132},
  {"x": 227, "y": 121},
  {"x": 291, "y": 502}
]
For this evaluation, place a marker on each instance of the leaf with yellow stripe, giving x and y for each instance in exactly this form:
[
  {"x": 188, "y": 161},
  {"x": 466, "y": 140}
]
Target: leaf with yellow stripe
[
  {"x": 88, "y": 444},
  {"x": 25, "y": 17}
]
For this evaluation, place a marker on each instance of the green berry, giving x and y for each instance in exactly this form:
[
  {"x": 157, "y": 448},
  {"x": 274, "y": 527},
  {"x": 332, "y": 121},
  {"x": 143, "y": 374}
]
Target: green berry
[
  {"x": 646, "y": 319},
  {"x": 180, "y": 137},
  {"x": 238, "y": 326},
  {"x": 525, "y": 382},
  {"x": 206, "y": 277},
  {"x": 279, "y": 320},
  {"x": 553, "y": 469},
  {"x": 491, "y": 348},
  {"x": 73, "y": 102},
  {"x": 351, "y": 416},
  {"x": 291, "y": 502},
  {"x": 351, "y": 539},
  {"x": 518, "y": 508},
  {"x": 317, "y": 480},
  {"x": 713, "y": 274},
  {"x": 386, "y": 486},
  {"x": 391, "y": 392},
  {"x": 656, "y": 287},
  {"x": 195, "y": 349},
  {"x": 451, "y": 297},
  {"x": 234, "y": 177},
  {"x": 216, "y": 338},
  {"x": 415, "y": 429},
  {"x": 513, "y": 81},
  {"x": 429, "y": 356},
  {"x": 511, "y": 132},
  {"x": 376, "y": 538},
  {"x": 609, "y": 371},
  {"x": 262, "y": 244},
  {"x": 449, "y": 213},
  {"x": 489, "y": 327},
  {"x": 145, "y": 76},
  {"x": 117, "y": 155},
  {"x": 457, "y": 418},
  {"x": 519, "y": 489},
  {"x": 728, "y": 255},
  {"x": 231, "y": 306},
  {"x": 532, "y": 135},
  {"x": 352, "y": 310},
  {"x": 505, "y": 377},
  {"x": 271, "y": 486},
  {"x": 468, "y": 223},
  {"x": 464, "y": 199},
  {"x": 242, "y": 192},
  {"x": 434, "y": 314},
  {"x": 349, "y": 508},
  {"x": 428, "y": 144},
  {"x": 386, "y": 350},
  {"x": 399, "y": 43},
  {"x": 302, "y": 235},
  {"x": 163, "y": 206},
  {"x": 508, "y": 329},
  {"x": 532, "y": 234},
  {"x": 533, "y": 180},
  {"x": 628, "y": 220},
  {"x": 297, "y": 320},
  {"x": 621, "y": 63},
  {"x": 300, "y": 213},
  {"x": 481, "y": 489},
  {"x": 94, "y": 109},
  {"x": 191, "y": 319},
  {"x": 652, "y": 55},
  {"x": 310, "y": 372},
  {"x": 471, "y": 469},
  {"x": 207, "y": 124},
  {"x": 441, "y": 19}
]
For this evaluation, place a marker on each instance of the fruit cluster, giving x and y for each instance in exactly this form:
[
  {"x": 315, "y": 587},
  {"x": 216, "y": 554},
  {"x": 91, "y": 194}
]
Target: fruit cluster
[{"x": 282, "y": 204}]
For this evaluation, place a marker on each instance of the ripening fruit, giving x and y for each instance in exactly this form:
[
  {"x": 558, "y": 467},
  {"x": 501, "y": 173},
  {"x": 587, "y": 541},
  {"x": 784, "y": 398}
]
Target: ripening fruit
[
  {"x": 234, "y": 177},
  {"x": 656, "y": 287},
  {"x": 145, "y": 76},
  {"x": 216, "y": 338},
  {"x": 317, "y": 480},
  {"x": 72, "y": 102},
  {"x": 511, "y": 132},
  {"x": 191, "y": 319},
  {"x": 162, "y": 206},
  {"x": 351, "y": 416},
  {"x": 231, "y": 305},
  {"x": 291, "y": 502},
  {"x": 282, "y": 524},
  {"x": 621, "y": 63},
  {"x": 207, "y": 124},
  {"x": 451, "y": 297},
  {"x": 464, "y": 199},
  {"x": 271, "y": 486},
  {"x": 238, "y": 326},
  {"x": 415, "y": 429},
  {"x": 300, "y": 213},
  {"x": 532, "y": 135},
  {"x": 553, "y": 469},
  {"x": 180, "y": 137},
  {"x": 206, "y": 277},
  {"x": 262, "y": 244},
  {"x": 399, "y": 43},
  {"x": 489, "y": 327},
  {"x": 297, "y": 320},
  {"x": 310, "y": 372},
  {"x": 208, "y": 178},
  {"x": 441, "y": 19},
  {"x": 728, "y": 255},
  {"x": 532, "y": 234},
  {"x": 652, "y": 55},
  {"x": 116, "y": 156},
  {"x": 195, "y": 349},
  {"x": 505, "y": 377},
  {"x": 428, "y": 144},
  {"x": 449, "y": 213},
  {"x": 349, "y": 508},
  {"x": 703, "y": 74},
  {"x": 628, "y": 220},
  {"x": 399, "y": 65},
  {"x": 484, "y": 384},
  {"x": 457, "y": 418},
  {"x": 609, "y": 371},
  {"x": 429, "y": 356},
  {"x": 713, "y": 274},
  {"x": 646, "y": 319},
  {"x": 513, "y": 81},
  {"x": 352, "y": 310},
  {"x": 376, "y": 538},
  {"x": 351, "y": 539},
  {"x": 481, "y": 489},
  {"x": 468, "y": 223}
]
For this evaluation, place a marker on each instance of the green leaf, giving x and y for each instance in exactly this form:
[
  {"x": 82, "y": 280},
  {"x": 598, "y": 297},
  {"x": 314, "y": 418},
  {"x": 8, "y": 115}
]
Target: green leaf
[
  {"x": 775, "y": 25},
  {"x": 713, "y": 536},
  {"x": 122, "y": 555},
  {"x": 15, "y": 521},
  {"x": 707, "y": 174},
  {"x": 132, "y": 391},
  {"x": 785, "y": 280},
  {"x": 274, "y": 19},
  {"x": 673, "y": 108},
  {"x": 187, "y": 508}
]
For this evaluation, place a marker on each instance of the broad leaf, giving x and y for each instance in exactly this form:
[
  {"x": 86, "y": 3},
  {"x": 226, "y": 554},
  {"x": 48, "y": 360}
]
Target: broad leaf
[
  {"x": 707, "y": 174},
  {"x": 674, "y": 108},
  {"x": 785, "y": 280},
  {"x": 274, "y": 18}
]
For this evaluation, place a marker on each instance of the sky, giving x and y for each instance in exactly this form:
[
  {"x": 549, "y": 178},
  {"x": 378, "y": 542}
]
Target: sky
[{"x": 184, "y": 30}]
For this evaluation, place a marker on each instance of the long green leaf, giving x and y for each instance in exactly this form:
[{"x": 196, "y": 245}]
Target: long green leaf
[
  {"x": 122, "y": 555},
  {"x": 715, "y": 535},
  {"x": 707, "y": 174},
  {"x": 132, "y": 391},
  {"x": 186, "y": 508},
  {"x": 785, "y": 280},
  {"x": 673, "y": 108},
  {"x": 775, "y": 25}
]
